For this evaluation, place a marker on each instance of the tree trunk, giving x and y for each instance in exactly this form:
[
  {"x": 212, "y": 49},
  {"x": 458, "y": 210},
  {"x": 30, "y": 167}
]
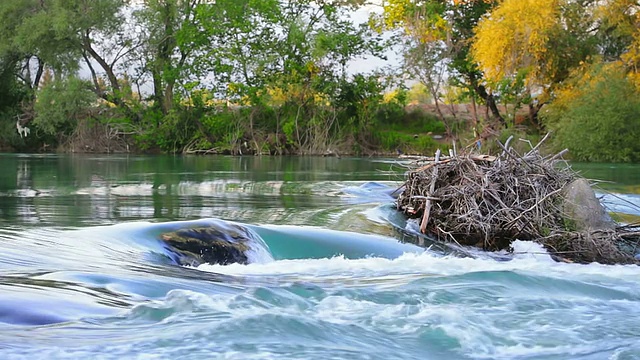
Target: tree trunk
[
  {"x": 474, "y": 112},
  {"x": 113, "y": 80},
  {"x": 490, "y": 101},
  {"x": 116, "y": 96},
  {"x": 168, "y": 97},
  {"x": 39, "y": 72},
  {"x": 533, "y": 114},
  {"x": 158, "y": 96},
  {"x": 94, "y": 76},
  {"x": 163, "y": 81}
]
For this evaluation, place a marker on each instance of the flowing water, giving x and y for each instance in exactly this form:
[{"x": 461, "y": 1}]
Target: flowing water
[{"x": 84, "y": 276}]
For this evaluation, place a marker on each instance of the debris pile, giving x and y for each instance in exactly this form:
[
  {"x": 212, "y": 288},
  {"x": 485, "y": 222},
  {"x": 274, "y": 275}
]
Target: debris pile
[{"x": 490, "y": 201}]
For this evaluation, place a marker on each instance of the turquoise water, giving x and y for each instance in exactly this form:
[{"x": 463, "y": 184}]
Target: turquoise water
[{"x": 83, "y": 276}]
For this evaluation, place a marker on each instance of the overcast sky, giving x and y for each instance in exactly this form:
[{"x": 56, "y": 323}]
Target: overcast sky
[{"x": 372, "y": 63}]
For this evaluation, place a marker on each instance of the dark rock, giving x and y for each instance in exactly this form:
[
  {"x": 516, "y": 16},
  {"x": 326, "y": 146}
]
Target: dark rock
[{"x": 222, "y": 244}]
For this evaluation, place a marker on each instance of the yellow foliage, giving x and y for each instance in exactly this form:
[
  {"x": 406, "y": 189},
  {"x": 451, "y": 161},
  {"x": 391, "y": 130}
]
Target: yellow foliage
[
  {"x": 514, "y": 38},
  {"x": 583, "y": 78},
  {"x": 312, "y": 68},
  {"x": 278, "y": 95},
  {"x": 408, "y": 15},
  {"x": 395, "y": 12},
  {"x": 631, "y": 58},
  {"x": 452, "y": 94},
  {"x": 234, "y": 87},
  {"x": 390, "y": 96},
  {"x": 624, "y": 15},
  {"x": 419, "y": 94},
  {"x": 427, "y": 31},
  {"x": 462, "y": 2},
  {"x": 321, "y": 99}
]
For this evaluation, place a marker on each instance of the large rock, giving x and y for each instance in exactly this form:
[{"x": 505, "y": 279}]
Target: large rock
[
  {"x": 219, "y": 243},
  {"x": 582, "y": 209}
]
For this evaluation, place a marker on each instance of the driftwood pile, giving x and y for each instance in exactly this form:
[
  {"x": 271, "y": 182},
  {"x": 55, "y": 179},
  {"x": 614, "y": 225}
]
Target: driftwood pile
[{"x": 490, "y": 201}]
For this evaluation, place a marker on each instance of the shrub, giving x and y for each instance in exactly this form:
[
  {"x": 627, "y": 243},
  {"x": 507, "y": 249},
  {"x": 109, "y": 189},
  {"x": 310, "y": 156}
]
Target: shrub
[
  {"x": 61, "y": 104},
  {"x": 391, "y": 141},
  {"x": 598, "y": 116}
]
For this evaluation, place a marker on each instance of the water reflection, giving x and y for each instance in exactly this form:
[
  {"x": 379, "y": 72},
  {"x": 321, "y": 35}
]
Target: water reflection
[{"x": 64, "y": 190}]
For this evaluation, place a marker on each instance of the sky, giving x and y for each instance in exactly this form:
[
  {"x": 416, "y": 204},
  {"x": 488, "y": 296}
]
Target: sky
[{"x": 371, "y": 63}]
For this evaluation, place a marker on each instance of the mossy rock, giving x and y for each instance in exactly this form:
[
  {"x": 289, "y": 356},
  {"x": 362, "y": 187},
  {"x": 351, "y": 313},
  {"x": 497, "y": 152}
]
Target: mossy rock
[{"x": 582, "y": 209}]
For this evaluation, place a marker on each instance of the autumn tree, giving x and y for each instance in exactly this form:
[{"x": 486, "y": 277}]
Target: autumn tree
[
  {"x": 619, "y": 31},
  {"x": 449, "y": 24},
  {"x": 595, "y": 110},
  {"x": 526, "y": 49}
]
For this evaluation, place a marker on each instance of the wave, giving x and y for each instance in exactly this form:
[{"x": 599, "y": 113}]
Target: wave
[{"x": 529, "y": 258}]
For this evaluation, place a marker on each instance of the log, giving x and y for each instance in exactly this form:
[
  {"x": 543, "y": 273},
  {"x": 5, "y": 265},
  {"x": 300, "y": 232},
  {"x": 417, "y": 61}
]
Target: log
[{"x": 432, "y": 187}]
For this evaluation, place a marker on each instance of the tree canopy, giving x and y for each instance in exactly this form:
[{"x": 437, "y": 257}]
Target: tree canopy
[{"x": 276, "y": 76}]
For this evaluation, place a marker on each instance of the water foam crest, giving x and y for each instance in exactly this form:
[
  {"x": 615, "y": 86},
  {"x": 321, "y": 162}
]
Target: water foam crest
[
  {"x": 529, "y": 258},
  {"x": 258, "y": 252}
]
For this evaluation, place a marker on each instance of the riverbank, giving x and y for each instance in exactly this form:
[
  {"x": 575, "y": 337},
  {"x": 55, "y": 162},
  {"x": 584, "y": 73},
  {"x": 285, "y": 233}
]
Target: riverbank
[{"x": 390, "y": 129}]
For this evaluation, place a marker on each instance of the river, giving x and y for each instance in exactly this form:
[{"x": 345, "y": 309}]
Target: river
[{"x": 82, "y": 274}]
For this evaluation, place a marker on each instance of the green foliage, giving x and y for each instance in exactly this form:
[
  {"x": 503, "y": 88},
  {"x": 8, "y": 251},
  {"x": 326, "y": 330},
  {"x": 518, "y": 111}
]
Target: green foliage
[
  {"x": 275, "y": 74},
  {"x": 359, "y": 99},
  {"x": 12, "y": 92},
  {"x": 392, "y": 141},
  {"x": 220, "y": 124},
  {"x": 390, "y": 113},
  {"x": 169, "y": 133},
  {"x": 413, "y": 121},
  {"x": 53, "y": 30},
  {"x": 61, "y": 104},
  {"x": 598, "y": 118}
]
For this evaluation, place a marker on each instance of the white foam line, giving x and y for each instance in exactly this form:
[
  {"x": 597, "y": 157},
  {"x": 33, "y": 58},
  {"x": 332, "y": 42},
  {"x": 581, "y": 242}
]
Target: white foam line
[{"x": 429, "y": 265}]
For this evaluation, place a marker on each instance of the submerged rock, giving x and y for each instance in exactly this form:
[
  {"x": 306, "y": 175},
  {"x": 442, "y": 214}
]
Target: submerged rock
[{"x": 219, "y": 243}]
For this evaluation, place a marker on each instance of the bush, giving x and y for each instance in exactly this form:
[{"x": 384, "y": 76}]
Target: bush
[
  {"x": 392, "y": 141},
  {"x": 60, "y": 104},
  {"x": 169, "y": 133},
  {"x": 598, "y": 117}
]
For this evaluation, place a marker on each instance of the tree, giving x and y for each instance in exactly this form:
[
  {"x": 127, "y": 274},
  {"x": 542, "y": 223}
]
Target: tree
[
  {"x": 526, "y": 48},
  {"x": 514, "y": 39},
  {"x": 426, "y": 61},
  {"x": 452, "y": 24},
  {"x": 299, "y": 49},
  {"x": 169, "y": 28},
  {"x": 619, "y": 34},
  {"x": 58, "y": 33}
]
